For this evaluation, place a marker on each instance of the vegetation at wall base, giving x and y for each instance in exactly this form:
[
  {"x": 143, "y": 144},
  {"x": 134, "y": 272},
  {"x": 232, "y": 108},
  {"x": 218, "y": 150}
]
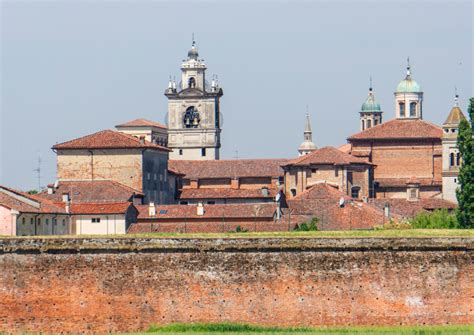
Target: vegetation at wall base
[
  {"x": 237, "y": 329},
  {"x": 308, "y": 226},
  {"x": 439, "y": 219},
  {"x": 465, "y": 192}
]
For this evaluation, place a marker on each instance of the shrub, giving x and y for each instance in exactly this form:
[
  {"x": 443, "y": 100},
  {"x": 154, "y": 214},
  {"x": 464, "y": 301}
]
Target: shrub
[
  {"x": 239, "y": 229},
  {"x": 308, "y": 226},
  {"x": 439, "y": 219}
]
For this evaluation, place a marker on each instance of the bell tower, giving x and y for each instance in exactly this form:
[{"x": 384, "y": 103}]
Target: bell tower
[
  {"x": 408, "y": 98},
  {"x": 451, "y": 155},
  {"x": 194, "y": 120}
]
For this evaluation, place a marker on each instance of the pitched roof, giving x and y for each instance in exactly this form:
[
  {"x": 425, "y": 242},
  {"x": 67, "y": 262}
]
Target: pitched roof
[
  {"x": 92, "y": 191},
  {"x": 409, "y": 209},
  {"x": 400, "y": 129},
  {"x": 142, "y": 123},
  {"x": 100, "y": 208},
  {"x": 327, "y": 155},
  {"x": 225, "y": 193},
  {"x": 108, "y": 139},
  {"x": 233, "y": 168},
  {"x": 346, "y": 148},
  {"x": 454, "y": 117},
  {"x": 184, "y": 212},
  {"x": 322, "y": 201},
  {"x": 27, "y": 203}
]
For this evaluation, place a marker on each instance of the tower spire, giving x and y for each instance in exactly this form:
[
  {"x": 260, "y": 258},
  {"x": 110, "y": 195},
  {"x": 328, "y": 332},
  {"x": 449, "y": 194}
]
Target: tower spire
[
  {"x": 408, "y": 67},
  {"x": 456, "y": 97},
  {"x": 370, "y": 86},
  {"x": 307, "y": 146}
]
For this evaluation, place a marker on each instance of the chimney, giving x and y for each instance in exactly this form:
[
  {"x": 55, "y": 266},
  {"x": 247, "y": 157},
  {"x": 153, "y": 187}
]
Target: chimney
[
  {"x": 66, "y": 201},
  {"x": 200, "y": 209},
  {"x": 152, "y": 209},
  {"x": 50, "y": 188},
  {"x": 386, "y": 210},
  {"x": 66, "y": 198}
]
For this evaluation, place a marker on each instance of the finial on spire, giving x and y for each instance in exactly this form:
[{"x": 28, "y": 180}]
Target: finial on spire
[
  {"x": 307, "y": 111},
  {"x": 408, "y": 67},
  {"x": 370, "y": 87},
  {"x": 456, "y": 97},
  {"x": 194, "y": 42}
]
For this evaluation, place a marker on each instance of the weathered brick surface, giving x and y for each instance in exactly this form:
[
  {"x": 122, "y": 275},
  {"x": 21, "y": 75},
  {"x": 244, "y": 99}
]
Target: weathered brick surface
[{"x": 101, "y": 285}]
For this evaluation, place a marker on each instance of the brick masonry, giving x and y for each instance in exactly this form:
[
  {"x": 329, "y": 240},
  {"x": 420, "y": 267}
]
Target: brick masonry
[{"x": 126, "y": 284}]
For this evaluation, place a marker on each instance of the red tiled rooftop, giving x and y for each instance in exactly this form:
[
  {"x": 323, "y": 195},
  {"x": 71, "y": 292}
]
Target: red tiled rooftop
[
  {"x": 38, "y": 205},
  {"x": 92, "y": 191},
  {"x": 108, "y": 139},
  {"x": 142, "y": 123},
  {"x": 225, "y": 193},
  {"x": 409, "y": 209},
  {"x": 402, "y": 182},
  {"x": 400, "y": 129},
  {"x": 327, "y": 155},
  {"x": 102, "y": 208},
  {"x": 166, "y": 212},
  {"x": 232, "y": 168}
]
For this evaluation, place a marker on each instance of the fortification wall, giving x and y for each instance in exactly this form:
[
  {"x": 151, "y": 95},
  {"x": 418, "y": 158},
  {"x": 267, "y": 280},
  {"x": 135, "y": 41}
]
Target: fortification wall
[{"x": 126, "y": 284}]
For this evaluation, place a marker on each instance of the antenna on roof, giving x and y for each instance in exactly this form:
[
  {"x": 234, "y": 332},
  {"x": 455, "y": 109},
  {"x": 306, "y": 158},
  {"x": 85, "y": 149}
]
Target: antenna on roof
[
  {"x": 38, "y": 171},
  {"x": 236, "y": 154}
]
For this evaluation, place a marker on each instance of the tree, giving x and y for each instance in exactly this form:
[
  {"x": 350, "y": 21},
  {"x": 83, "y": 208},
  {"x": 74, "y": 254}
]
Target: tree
[{"x": 465, "y": 192}]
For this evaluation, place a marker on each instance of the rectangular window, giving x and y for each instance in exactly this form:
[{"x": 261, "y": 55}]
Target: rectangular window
[
  {"x": 203, "y": 152},
  {"x": 211, "y": 202},
  {"x": 47, "y": 221},
  {"x": 95, "y": 220},
  {"x": 314, "y": 170},
  {"x": 336, "y": 172},
  {"x": 180, "y": 152},
  {"x": 402, "y": 109}
]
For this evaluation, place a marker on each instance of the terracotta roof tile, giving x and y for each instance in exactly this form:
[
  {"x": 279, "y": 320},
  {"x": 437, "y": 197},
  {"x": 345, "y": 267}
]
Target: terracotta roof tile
[
  {"x": 322, "y": 201},
  {"x": 327, "y": 155},
  {"x": 400, "y": 129},
  {"x": 229, "y": 168},
  {"x": 225, "y": 193},
  {"x": 142, "y": 123},
  {"x": 410, "y": 209},
  {"x": 108, "y": 139},
  {"x": 183, "y": 212},
  {"x": 92, "y": 191},
  {"x": 101, "y": 208},
  {"x": 29, "y": 203}
]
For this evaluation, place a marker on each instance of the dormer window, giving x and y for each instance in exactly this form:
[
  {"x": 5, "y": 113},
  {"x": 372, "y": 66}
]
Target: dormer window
[
  {"x": 402, "y": 109},
  {"x": 412, "y": 109}
]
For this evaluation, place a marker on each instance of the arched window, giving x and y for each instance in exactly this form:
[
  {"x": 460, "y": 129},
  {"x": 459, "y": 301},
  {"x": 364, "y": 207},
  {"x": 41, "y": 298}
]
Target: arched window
[
  {"x": 402, "y": 108},
  {"x": 369, "y": 123},
  {"x": 412, "y": 108},
  {"x": 451, "y": 159},
  {"x": 363, "y": 125},
  {"x": 191, "y": 82},
  {"x": 458, "y": 159}
]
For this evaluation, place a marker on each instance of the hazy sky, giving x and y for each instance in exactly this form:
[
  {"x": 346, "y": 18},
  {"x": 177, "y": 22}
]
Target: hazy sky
[{"x": 71, "y": 68}]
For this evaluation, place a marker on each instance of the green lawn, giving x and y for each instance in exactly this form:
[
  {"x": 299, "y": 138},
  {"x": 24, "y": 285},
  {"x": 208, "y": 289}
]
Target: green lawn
[
  {"x": 308, "y": 234},
  {"x": 238, "y": 329}
]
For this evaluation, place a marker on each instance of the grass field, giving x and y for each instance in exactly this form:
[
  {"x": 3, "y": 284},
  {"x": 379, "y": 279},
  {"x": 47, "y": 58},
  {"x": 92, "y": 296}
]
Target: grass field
[
  {"x": 309, "y": 234},
  {"x": 238, "y": 329}
]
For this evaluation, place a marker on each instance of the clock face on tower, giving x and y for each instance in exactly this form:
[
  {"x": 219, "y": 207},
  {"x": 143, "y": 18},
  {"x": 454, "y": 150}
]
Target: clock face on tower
[{"x": 191, "y": 118}]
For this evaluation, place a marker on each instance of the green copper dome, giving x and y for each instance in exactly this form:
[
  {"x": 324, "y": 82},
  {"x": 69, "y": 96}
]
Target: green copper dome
[
  {"x": 408, "y": 85},
  {"x": 370, "y": 105}
]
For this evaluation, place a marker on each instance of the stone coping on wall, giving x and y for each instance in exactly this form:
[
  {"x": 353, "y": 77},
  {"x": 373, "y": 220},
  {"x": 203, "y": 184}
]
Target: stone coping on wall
[{"x": 267, "y": 244}]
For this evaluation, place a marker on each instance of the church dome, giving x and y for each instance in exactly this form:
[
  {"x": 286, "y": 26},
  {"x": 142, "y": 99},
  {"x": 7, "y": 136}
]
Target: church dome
[
  {"x": 307, "y": 146},
  {"x": 370, "y": 105},
  {"x": 193, "y": 53},
  {"x": 408, "y": 85}
]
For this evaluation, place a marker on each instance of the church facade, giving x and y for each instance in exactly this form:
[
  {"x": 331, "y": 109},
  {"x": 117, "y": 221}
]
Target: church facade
[{"x": 194, "y": 120}]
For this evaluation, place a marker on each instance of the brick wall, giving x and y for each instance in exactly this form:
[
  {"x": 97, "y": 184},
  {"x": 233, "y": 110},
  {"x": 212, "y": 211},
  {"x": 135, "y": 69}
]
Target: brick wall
[{"x": 116, "y": 285}]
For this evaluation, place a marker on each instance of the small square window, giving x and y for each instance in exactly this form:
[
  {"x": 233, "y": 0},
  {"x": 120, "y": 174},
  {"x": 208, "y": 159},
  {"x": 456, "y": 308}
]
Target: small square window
[{"x": 95, "y": 220}]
